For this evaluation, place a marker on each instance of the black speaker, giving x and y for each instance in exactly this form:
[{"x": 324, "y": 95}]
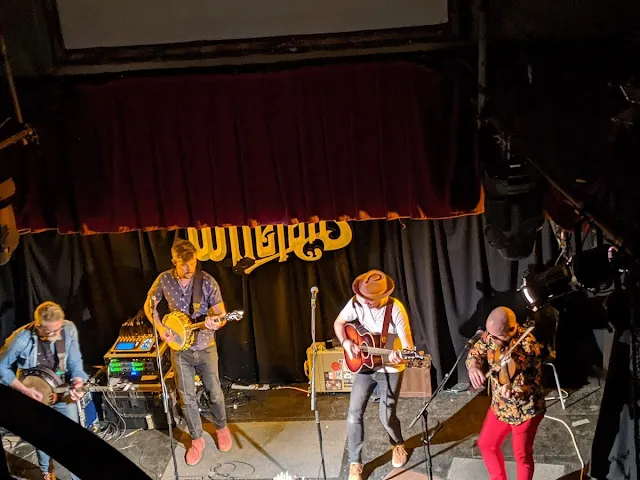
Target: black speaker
[{"x": 513, "y": 210}]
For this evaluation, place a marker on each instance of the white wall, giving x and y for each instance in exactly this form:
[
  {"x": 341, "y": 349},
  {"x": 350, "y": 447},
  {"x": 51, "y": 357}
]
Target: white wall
[{"x": 110, "y": 23}]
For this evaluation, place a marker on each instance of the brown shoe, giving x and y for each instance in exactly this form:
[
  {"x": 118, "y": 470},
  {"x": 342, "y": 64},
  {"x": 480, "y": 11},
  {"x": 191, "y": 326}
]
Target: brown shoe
[
  {"x": 399, "y": 457},
  {"x": 49, "y": 476},
  {"x": 224, "y": 439},
  {"x": 355, "y": 471},
  {"x": 194, "y": 454}
]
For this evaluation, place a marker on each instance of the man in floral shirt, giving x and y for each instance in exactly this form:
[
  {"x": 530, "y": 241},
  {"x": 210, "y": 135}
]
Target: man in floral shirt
[{"x": 517, "y": 407}]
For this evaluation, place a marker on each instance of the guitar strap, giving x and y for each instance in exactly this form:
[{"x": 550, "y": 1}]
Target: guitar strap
[
  {"x": 387, "y": 318},
  {"x": 196, "y": 291},
  {"x": 196, "y": 295},
  {"x": 61, "y": 351},
  {"x": 387, "y": 321}
]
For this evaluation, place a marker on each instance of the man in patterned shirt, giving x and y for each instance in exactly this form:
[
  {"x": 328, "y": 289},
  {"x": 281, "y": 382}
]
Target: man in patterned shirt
[
  {"x": 517, "y": 407},
  {"x": 179, "y": 287}
]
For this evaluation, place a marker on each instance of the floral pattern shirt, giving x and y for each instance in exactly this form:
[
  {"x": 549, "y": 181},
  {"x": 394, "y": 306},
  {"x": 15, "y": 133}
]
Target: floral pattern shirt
[{"x": 527, "y": 397}]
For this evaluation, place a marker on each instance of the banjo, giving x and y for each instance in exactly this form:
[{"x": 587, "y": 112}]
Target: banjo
[
  {"x": 179, "y": 323},
  {"x": 53, "y": 388}
]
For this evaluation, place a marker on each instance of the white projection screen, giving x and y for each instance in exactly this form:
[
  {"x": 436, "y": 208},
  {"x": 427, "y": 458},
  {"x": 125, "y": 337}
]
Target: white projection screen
[{"x": 86, "y": 24}]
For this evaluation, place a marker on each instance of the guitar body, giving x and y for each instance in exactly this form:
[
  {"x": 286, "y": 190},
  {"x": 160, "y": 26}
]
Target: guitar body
[
  {"x": 185, "y": 331},
  {"x": 43, "y": 380},
  {"x": 362, "y": 337}
]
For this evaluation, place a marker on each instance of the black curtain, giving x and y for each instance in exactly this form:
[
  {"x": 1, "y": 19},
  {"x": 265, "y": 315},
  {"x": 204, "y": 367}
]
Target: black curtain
[{"x": 101, "y": 280}]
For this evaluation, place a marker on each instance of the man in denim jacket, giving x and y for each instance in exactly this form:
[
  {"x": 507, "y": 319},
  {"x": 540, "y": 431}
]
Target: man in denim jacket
[{"x": 34, "y": 345}]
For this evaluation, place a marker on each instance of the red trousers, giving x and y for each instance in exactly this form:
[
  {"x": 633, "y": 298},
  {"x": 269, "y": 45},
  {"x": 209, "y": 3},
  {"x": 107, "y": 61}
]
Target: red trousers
[{"x": 492, "y": 437}]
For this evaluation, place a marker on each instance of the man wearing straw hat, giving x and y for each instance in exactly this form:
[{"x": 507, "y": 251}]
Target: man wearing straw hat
[{"x": 378, "y": 312}]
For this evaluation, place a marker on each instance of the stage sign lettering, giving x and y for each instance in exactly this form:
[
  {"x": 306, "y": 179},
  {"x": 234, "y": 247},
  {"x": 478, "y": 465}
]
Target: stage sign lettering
[{"x": 252, "y": 247}]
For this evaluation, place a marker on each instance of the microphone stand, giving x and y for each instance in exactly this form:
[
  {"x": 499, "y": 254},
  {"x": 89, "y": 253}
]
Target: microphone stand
[
  {"x": 424, "y": 411},
  {"x": 314, "y": 407},
  {"x": 165, "y": 394}
]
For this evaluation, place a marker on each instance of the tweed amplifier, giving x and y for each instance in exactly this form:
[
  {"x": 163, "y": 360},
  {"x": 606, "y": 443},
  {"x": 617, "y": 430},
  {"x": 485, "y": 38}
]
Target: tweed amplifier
[{"x": 332, "y": 374}]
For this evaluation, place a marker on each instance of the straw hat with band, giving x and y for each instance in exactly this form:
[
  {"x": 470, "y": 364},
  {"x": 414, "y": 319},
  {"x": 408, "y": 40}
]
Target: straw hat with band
[{"x": 373, "y": 285}]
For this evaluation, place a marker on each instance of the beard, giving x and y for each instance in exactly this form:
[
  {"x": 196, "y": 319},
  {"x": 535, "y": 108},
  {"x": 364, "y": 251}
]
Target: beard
[{"x": 52, "y": 339}]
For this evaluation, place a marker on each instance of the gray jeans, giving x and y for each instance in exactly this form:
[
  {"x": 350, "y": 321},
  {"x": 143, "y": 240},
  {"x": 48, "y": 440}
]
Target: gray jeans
[
  {"x": 363, "y": 385},
  {"x": 204, "y": 363}
]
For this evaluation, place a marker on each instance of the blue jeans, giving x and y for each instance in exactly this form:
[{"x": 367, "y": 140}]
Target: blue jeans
[
  {"x": 69, "y": 410},
  {"x": 362, "y": 388},
  {"x": 204, "y": 363}
]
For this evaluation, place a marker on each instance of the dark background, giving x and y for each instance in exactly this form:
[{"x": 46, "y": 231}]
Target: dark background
[{"x": 101, "y": 280}]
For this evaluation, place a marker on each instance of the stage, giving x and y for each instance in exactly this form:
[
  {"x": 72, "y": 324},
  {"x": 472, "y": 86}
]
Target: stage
[{"x": 274, "y": 431}]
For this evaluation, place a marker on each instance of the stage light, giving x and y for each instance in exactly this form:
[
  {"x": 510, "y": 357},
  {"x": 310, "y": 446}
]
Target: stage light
[
  {"x": 539, "y": 288},
  {"x": 593, "y": 268}
]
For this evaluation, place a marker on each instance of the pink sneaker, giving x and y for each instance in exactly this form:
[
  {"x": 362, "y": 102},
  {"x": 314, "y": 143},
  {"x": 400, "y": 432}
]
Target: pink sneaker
[
  {"x": 194, "y": 454},
  {"x": 224, "y": 439}
]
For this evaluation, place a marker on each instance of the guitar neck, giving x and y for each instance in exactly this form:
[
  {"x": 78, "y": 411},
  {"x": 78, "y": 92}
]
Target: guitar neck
[
  {"x": 375, "y": 351},
  {"x": 84, "y": 389},
  {"x": 235, "y": 315},
  {"x": 196, "y": 326}
]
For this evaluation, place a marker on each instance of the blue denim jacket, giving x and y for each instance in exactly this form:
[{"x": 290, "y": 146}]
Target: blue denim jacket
[{"x": 21, "y": 351}]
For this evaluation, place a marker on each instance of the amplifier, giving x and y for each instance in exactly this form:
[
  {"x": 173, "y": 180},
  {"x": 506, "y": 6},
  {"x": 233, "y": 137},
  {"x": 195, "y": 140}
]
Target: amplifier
[
  {"x": 138, "y": 410},
  {"x": 332, "y": 374},
  {"x": 141, "y": 408},
  {"x": 133, "y": 358}
]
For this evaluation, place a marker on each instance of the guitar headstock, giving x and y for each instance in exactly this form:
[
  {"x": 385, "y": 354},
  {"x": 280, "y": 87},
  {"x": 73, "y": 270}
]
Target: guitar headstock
[
  {"x": 234, "y": 316},
  {"x": 412, "y": 354}
]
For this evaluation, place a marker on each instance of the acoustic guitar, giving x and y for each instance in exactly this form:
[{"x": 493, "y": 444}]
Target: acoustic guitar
[
  {"x": 52, "y": 387},
  {"x": 371, "y": 354},
  {"x": 179, "y": 323}
]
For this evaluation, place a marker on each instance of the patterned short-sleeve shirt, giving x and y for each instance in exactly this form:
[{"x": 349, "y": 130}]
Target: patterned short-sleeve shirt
[
  {"x": 528, "y": 397},
  {"x": 179, "y": 299}
]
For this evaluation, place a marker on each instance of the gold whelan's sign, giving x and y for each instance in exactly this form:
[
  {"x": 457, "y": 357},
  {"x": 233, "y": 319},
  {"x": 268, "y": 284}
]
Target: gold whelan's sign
[{"x": 252, "y": 247}]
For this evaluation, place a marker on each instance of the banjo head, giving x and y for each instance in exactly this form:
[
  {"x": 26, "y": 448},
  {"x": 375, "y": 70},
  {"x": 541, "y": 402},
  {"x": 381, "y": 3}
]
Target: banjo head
[
  {"x": 178, "y": 322},
  {"x": 42, "y": 381}
]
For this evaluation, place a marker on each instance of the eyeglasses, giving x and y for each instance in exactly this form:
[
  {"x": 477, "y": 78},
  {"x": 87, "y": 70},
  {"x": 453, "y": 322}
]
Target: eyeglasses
[{"x": 45, "y": 333}]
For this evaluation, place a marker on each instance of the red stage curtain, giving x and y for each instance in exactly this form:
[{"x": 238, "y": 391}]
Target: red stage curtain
[{"x": 371, "y": 140}]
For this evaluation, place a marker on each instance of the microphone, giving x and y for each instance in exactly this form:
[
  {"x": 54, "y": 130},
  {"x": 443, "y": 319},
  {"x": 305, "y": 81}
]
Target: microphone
[
  {"x": 314, "y": 294},
  {"x": 476, "y": 336}
]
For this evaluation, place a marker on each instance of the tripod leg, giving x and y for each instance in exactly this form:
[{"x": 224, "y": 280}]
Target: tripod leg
[{"x": 426, "y": 442}]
